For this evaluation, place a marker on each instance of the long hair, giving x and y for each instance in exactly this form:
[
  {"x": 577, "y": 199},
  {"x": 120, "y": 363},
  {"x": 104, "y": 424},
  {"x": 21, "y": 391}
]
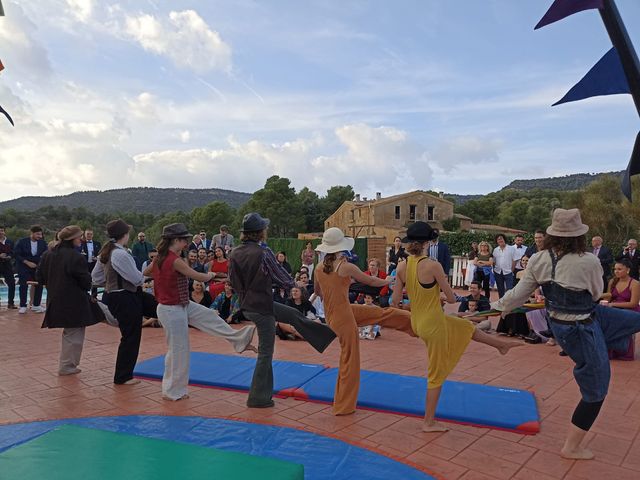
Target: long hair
[
  {"x": 163, "y": 251},
  {"x": 252, "y": 236},
  {"x": 105, "y": 251},
  {"x": 565, "y": 245},
  {"x": 327, "y": 263},
  {"x": 625, "y": 262}
]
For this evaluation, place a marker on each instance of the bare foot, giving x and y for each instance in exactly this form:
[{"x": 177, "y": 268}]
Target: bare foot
[
  {"x": 577, "y": 454},
  {"x": 250, "y": 348},
  {"x": 184, "y": 397},
  {"x": 508, "y": 345},
  {"x": 434, "y": 427}
]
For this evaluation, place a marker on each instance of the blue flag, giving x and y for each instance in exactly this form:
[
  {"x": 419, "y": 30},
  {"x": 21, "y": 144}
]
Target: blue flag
[
  {"x": 632, "y": 169},
  {"x": 4, "y": 112},
  {"x": 605, "y": 78},
  {"x": 563, "y": 8}
]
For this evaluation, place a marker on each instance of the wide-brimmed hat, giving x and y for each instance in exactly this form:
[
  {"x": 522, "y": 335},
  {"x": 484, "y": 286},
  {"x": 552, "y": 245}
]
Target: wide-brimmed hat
[
  {"x": 117, "y": 228},
  {"x": 175, "y": 230},
  {"x": 254, "y": 222},
  {"x": 567, "y": 223},
  {"x": 70, "y": 232},
  {"x": 333, "y": 240},
  {"x": 419, "y": 232}
]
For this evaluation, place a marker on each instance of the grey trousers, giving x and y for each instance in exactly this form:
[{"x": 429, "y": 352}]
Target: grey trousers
[
  {"x": 261, "y": 391},
  {"x": 71, "y": 349}
]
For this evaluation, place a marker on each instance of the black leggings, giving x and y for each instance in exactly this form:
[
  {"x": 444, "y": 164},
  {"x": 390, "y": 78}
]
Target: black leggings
[
  {"x": 485, "y": 280},
  {"x": 585, "y": 414}
]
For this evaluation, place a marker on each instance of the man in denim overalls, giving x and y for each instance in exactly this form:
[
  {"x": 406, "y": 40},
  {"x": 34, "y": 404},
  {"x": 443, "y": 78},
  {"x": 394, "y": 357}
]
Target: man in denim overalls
[{"x": 571, "y": 279}]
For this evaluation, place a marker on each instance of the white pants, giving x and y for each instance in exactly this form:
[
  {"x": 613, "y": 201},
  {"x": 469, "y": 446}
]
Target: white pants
[
  {"x": 175, "y": 320},
  {"x": 71, "y": 349}
]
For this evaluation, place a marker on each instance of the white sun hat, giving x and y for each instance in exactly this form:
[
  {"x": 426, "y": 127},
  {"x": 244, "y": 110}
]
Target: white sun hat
[{"x": 333, "y": 240}]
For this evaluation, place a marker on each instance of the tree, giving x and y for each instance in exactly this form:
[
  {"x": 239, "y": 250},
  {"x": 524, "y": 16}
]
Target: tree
[
  {"x": 279, "y": 203},
  {"x": 335, "y": 197},
  {"x": 310, "y": 205},
  {"x": 154, "y": 231},
  {"x": 211, "y": 216}
]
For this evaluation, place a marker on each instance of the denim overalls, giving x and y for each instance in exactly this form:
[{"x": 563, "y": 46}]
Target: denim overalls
[{"x": 587, "y": 341}]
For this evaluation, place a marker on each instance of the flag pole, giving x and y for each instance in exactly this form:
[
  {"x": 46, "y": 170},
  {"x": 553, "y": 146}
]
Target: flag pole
[{"x": 621, "y": 41}]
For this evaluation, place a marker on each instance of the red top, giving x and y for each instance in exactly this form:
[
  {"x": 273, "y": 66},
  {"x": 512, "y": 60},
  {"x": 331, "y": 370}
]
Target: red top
[
  {"x": 170, "y": 286},
  {"x": 382, "y": 275}
]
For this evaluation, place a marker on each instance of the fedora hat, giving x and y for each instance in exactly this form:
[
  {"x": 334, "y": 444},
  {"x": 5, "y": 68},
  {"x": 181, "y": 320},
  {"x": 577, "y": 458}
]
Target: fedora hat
[
  {"x": 567, "y": 223},
  {"x": 70, "y": 232},
  {"x": 117, "y": 228},
  {"x": 333, "y": 240},
  {"x": 254, "y": 222},
  {"x": 175, "y": 230},
  {"x": 419, "y": 232}
]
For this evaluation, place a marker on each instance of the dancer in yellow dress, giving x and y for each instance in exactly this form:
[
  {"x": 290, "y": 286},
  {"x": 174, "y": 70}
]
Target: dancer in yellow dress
[{"x": 446, "y": 337}]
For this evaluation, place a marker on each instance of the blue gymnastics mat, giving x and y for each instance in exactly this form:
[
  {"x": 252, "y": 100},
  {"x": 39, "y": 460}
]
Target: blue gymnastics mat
[
  {"x": 468, "y": 403},
  {"x": 233, "y": 372}
]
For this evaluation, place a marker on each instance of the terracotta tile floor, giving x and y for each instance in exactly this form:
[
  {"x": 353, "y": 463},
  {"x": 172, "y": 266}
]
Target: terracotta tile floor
[{"x": 31, "y": 390}]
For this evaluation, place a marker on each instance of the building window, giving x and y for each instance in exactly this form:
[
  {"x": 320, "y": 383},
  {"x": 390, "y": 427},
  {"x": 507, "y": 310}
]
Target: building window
[
  {"x": 397, "y": 212},
  {"x": 353, "y": 215},
  {"x": 430, "y": 209},
  {"x": 412, "y": 212}
]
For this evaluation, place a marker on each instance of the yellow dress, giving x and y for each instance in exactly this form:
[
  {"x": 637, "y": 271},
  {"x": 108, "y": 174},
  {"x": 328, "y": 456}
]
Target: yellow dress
[{"x": 446, "y": 337}]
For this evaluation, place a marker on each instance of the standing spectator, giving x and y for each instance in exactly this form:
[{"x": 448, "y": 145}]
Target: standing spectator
[
  {"x": 440, "y": 251},
  {"x": 473, "y": 253},
  {"x": 633, "y": 254},
  {"x": 307, "y": 257},
  {"x": 470, "y": 273},
  {"x": 28, "y": 252},
  {"x": 90, "y": 250},
  {"x": 205, "y": 242},
  {"x": 224, "y": 239},
  {"x": 519, "y": 251},
  {"x": 538, "y": 244},
  {"x": 141, "y": 250},
  {"x": 605, "y": 256},
  {"x": 484, "y": 267},
  {"x": 281, "y": 257},
  {"x": 196, "y": 243},
  {"x": 64, "y": 271},
  {"x": 396, "y": 254},
  {"x": 6, "y": 268},
  {"x": 504, "y": 259}
]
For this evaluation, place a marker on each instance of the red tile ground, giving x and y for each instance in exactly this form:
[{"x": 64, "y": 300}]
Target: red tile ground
[{"x": 31, "y": 390}]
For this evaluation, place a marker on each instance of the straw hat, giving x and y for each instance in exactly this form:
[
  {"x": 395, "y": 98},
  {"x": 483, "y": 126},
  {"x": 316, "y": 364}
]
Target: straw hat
[
  {"x": 567, "y": 223},
  {"x": 333, "y": 240}
]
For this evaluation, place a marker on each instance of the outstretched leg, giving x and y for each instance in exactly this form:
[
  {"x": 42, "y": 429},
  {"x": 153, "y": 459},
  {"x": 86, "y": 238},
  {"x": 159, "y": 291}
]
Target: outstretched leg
[
  {"x": 385, "y": 317},
  {"x": 501, "y": 344}
]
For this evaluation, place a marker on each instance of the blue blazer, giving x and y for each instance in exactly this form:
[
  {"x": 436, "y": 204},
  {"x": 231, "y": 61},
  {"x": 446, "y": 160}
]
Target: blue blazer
[
  {"x": 22, "y": 252},
  {"x": 444, "y": 257}
]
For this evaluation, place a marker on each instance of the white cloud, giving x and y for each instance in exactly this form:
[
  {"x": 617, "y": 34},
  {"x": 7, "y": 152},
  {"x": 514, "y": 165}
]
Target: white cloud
[
  {"x": 185, "y": 136},
  {"x": 184, "y": 37},
  {"x": 465, "y": 150},
  {"x": 144, "y": 106},
  {"x": 81, "y": 9}
]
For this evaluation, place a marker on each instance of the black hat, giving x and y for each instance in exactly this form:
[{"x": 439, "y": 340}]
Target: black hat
[
  {"x": 175, "y": 230},
  {"x": 419, "y": 232},
  {"x": 117, "y": 228},
  {"x": 253, "y": 222}
]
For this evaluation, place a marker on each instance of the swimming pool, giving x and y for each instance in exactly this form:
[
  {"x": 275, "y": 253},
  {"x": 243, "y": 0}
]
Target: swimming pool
[{"x": 4, "y": 291}]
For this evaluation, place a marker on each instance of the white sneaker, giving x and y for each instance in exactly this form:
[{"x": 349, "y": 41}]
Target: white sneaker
[
  {"x": 38, "y": 309},
  {"x": 22, "y": 310}
]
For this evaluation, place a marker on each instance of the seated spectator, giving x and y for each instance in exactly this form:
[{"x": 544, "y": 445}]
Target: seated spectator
[
  {"x": 227, "y": 304},
  {"x": 203, "y": 260},
  {"x": 298, "y": 300},
  {"x": 152, "y": 255},
  {"x": 624, "y": 292},
  {"x": 210, "y": 256},
  {"x": 281, "y": 257},
  {"x": 472, "y": 307},
  {"x": 370, "y": 332},
  {"x": 200, "y": 294},
  {"x": 375, "y": 271},
  {"x": 302, "y": 281},
  {"x": 280, "y": 295},
  {"x": 219, "y": 265}
]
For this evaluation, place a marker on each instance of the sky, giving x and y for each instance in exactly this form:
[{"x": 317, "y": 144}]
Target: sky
[{"x": 388, "y": 97}]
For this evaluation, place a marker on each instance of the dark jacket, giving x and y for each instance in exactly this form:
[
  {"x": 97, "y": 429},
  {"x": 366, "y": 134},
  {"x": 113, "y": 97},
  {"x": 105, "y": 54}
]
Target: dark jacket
[
  {"x": 64, "y": 272},
  {"x": 606, "y": 260},
  {"x": 252, "y": 284},
  {"x": 7, "y": 248},
  {"x": 22, "y": 252},
  {"x": 635, "y": 262},
  {"x": 140, "y": 251},
  {"x": 444, "y": 257},
  {"x": 85, "y": 252}
]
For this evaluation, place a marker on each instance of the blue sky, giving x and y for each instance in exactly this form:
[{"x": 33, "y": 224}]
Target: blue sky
[{"x": 385, "y": 96}]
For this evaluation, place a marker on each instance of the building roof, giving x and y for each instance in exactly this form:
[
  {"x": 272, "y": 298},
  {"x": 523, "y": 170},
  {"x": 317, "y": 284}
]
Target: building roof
[{"x": 398, "y": 197}]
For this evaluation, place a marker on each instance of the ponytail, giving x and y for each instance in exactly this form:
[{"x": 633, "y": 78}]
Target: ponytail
[
  {"x": 163, "y": 251},
  {"x": 327, "y": 263}
]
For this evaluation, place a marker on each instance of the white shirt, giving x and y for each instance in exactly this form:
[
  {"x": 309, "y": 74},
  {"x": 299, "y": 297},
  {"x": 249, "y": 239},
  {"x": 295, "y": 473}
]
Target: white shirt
[
  {"x": 519, "y": 253},
  {"x": 90, "y": 251},
  {"x": 34, "y": 248},
  {"x": 503, "y": 259},
  {"x": 123, "y": 263}
]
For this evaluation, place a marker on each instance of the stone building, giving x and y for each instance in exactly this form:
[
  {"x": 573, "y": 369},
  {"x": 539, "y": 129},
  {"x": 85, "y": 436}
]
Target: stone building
[{"x": 386, "y": 217}]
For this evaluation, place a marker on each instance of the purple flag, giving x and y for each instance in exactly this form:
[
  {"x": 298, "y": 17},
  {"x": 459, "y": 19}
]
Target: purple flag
[
  {"x": 605, "y": 78},
  {"x": 632, "y": 169},
  {"x": 563, "y": 8},
  {"x": 4, "y": 112}
]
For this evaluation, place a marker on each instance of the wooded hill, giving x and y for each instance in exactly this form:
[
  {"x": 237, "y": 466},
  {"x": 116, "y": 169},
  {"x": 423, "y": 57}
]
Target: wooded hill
[{"x": 137, "y": 199}]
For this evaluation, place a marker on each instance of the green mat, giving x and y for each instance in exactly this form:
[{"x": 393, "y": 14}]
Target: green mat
[{"x": 70, "y": 453}]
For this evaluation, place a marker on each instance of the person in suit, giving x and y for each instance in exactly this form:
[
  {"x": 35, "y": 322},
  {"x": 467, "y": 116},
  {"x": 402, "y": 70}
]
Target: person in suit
[
  {"x": 633, "y": 254},
  {"x": 89, "y": 249},
  {"x": 28, "y": 252},
  {"x": 6, "y": 268},
  {"x": 206, "y": 243},
  {"x": 141, "y": 249},
  {"x": 224, "y": 239},
  {"x": 440, "y": 251},
  {"x": 605, "y": 256},
  {"x": 196, "y": 243}
]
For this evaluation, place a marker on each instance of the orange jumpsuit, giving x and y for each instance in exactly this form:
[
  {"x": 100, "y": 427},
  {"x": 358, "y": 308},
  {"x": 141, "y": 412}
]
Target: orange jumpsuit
[{"x": 344, "y": 318}]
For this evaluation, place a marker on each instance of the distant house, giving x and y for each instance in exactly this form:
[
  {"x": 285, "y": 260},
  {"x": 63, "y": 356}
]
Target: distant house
[{"x": 386, "y": 217}]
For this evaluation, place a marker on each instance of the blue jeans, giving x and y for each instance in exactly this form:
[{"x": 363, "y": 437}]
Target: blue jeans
[
  {"x": 504, "y": 282},
  {"x": 587, "y": 346}
]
